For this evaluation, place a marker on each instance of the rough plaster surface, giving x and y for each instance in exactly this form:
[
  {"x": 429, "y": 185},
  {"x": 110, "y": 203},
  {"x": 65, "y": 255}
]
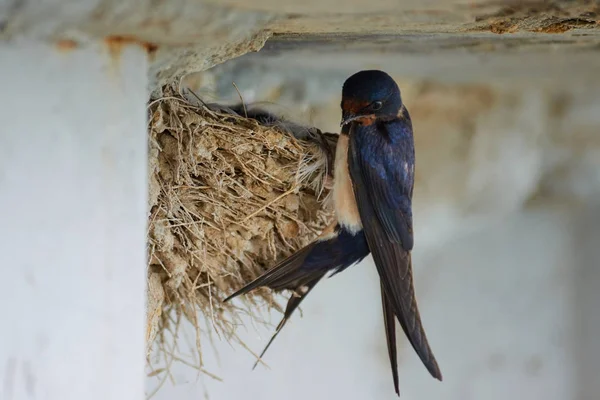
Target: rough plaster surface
[
  {"x": 186, "y": 36},
  {"x": 73, "y": 209},
  {"x": 445, "y": 17},
  {"x": 181, "y": 36}
]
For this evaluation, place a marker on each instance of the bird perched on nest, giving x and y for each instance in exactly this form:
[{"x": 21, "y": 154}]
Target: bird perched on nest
[{"x": 372, "y": 194}]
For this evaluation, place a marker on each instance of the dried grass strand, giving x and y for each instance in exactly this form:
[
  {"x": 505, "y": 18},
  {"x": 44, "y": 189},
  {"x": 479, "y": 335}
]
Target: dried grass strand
[{"x": 228, "y": 198}]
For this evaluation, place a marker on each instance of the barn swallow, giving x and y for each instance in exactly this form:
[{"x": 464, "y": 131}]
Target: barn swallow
[
  {"x": 377, "y": 139},
  {"x": 372, "y": 196}
]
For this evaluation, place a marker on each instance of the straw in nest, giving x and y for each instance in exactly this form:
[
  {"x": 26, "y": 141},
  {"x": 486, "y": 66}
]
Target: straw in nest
[{"x": 229, "y": 197}]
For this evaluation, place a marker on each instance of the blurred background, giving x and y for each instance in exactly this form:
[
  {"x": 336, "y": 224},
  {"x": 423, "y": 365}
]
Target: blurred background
[{"x": 507, "y": 207}]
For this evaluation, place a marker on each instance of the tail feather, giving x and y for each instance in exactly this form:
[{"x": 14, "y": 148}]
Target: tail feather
[
  {"x": 335, "y": 250},
  {"x": 390, "y": 335},
  {"x": 292, "y": 304},
  {"x": 413, "y": 327},
  {"x": 281, "y": 276}
]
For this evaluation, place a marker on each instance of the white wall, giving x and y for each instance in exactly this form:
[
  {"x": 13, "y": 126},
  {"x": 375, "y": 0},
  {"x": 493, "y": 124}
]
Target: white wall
[{"x": 73, "y": 216}]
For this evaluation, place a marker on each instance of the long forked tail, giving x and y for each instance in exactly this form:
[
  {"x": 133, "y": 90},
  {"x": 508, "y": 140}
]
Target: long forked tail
[{"x": 390, "y": 335}]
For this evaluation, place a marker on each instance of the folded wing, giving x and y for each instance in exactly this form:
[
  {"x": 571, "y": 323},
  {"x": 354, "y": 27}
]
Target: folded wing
[{"x": 383, "y": 191}]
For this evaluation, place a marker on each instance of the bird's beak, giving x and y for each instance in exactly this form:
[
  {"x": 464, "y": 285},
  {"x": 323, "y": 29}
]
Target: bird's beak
[{"x": 348, "y": 117}]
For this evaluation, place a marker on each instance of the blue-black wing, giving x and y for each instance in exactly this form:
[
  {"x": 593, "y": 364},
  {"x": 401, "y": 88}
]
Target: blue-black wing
[
  {"x": 383, "y": 190},
  {"x": 293, "y": 274},
  {"x": 302, "y": 270},
  {"x": 387, "y": 167}
]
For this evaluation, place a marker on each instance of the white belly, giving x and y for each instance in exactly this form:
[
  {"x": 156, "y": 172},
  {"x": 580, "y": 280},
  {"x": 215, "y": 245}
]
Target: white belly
[{"x": 343, "y": 195}]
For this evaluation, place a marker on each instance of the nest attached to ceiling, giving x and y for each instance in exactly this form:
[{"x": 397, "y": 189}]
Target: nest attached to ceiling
[{"x": 229, "y": 196}]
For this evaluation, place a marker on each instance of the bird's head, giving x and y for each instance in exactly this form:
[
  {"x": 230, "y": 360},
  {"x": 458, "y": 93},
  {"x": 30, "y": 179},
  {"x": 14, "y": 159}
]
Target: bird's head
[{"x": 368, "y": 96}]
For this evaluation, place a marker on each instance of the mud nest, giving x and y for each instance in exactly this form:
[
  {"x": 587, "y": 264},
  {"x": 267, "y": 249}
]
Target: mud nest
[{"x": 229, "y": 197}]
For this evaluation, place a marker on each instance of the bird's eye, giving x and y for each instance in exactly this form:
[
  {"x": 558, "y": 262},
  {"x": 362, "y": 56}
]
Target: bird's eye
[{"x": 376, "y": 105}]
